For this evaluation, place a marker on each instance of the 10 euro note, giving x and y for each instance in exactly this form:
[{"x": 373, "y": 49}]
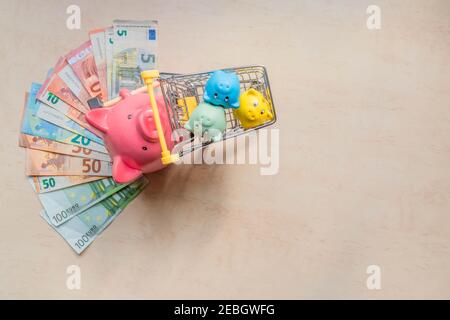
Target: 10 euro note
[
  {"x": 134, "y": 50},
  {"x": 42, "y": 163},
  {"x": 52, "y": 100},
  {"x": 81, "y": 230},
  {"x": 64, "y": 204},
  {"x": 98, "y": 38},
  {"x": 82, "y": 62},
  {"x": 34, "y": 126},
  {"x": 67, "y": 74},
  {"x": 55, "y": 84},
  {"x": 40, "y": 143}
]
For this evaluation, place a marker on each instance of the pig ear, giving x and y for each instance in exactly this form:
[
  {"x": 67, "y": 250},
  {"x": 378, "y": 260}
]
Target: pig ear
[
  {"x": 146, "y": 125},
  {"x": 123, "y": 173},
  {"x": 252, "y": 91},
  {"x": 97, "y": 118}
]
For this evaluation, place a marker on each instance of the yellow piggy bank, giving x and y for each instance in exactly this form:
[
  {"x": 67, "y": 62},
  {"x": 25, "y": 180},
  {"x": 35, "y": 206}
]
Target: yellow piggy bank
[{"x": 254, "y": 110}]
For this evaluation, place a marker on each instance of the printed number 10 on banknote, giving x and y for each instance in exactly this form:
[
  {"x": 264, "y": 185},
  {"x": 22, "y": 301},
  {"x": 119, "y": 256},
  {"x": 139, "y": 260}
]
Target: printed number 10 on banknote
[{"x": 134, "y": 50}]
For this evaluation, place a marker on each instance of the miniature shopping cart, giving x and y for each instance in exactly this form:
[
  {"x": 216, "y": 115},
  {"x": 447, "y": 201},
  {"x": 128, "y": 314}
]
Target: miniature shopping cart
[{"x": 183, "y": 92}]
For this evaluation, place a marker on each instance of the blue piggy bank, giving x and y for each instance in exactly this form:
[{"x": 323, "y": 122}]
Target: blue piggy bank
[{"x": 223, "y": 89}]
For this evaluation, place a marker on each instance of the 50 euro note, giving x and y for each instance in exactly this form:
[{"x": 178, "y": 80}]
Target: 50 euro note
[
  {"x": 64, "y": 204},
  {"x": 82, "y": 62},
  {"x": 134, "y": 50},
  {"x": 53, "y": 183},
  {"x": 34, "y": 126},
  {"x": 81, "y": 230},
  {"x": 98, "y": 38},
  {"x": 43, "y": 163}
]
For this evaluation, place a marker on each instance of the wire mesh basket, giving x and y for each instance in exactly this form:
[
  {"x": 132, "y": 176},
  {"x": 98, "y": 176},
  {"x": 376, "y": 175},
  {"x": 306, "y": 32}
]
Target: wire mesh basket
[{"x": 183, "y": 92}]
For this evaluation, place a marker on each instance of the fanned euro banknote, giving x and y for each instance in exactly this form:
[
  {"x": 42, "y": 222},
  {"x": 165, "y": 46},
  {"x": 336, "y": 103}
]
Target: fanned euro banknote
[
  {"x": 98, "y": 38},
  {"x": 134, "y": 50},
  {"x": 67, "y": 163},
  {"x": 81, "y": 230},
  {"x": 53, "y": 183},
  {"x": 62, "y": 205},
  {"x": 35, "y": 126},
  {"x": 43, "y": 163}
]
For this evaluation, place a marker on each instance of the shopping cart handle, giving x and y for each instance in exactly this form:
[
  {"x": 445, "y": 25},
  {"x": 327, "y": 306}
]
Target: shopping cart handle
[{"x": 149, "y": 77}]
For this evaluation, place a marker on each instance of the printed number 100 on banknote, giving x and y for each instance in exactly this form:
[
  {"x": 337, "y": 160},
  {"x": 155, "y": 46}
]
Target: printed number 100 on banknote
[{"x": 134, "y": 50}]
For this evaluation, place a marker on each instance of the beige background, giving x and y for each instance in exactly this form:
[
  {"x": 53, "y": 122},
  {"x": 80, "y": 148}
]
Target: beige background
[{"x": 364, "y": 158}]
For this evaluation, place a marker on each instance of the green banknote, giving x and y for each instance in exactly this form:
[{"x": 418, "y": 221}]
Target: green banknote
[
  {"x": 134, "y": 50},
  {"x": 81, "y": 230},
  {"x": 52, "y": 183},
  {"x": 35, "y": 126},
  {"x": 64, "y": 204}
]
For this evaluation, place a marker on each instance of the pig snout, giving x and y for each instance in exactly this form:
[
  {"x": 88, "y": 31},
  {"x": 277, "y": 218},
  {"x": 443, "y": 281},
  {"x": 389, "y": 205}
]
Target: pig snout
[{"x": 224, "y": 87}]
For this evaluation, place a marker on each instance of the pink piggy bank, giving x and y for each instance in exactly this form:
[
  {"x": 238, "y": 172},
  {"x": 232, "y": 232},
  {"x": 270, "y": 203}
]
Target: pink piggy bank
[{"x": 130, "y": 134}]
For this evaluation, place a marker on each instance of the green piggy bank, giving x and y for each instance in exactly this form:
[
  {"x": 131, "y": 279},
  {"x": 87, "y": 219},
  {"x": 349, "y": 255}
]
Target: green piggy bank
[{"x": 209, "y": 120}]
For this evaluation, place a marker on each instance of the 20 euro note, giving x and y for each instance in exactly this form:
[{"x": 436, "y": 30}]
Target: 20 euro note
[
  {"x": 64, "y": 204},
  {"x": 34, "y": 126},
  {"x": 42, "y": 163},
  {"x": 81, "y": 230},
  {"x": 98, "y": 38},
  {"x": 134, "y": 50},
  {"x": 57, "y": 118},
  {"x": 39, "y": 143},
  {"x": 82, "y": 62},
  {"x": 53, "y": 183}
]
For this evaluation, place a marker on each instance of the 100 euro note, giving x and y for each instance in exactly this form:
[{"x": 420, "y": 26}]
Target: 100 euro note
[
  {"x": 64, "y": 204},
  {"x": 42, "y": 163},
  {"x": 98, "y": 38},
  {"x": 81, "y": 230},
  {"x": 34, "y": 126},
  {"x": 134, "y": 50}
]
